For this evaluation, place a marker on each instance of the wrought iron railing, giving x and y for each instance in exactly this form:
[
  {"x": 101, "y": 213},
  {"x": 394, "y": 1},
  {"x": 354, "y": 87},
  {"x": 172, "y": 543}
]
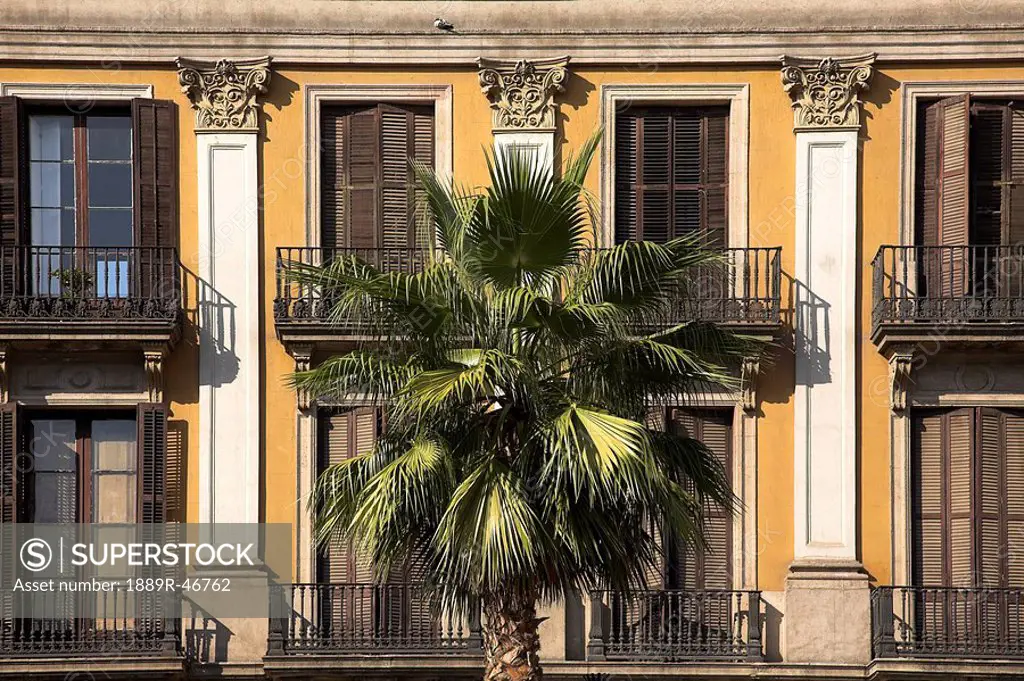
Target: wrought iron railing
[
  {"x": 675, "y": 625},
  {"x": 390, "y": 619},
  {"x": 115, "y": 621},
  {"x": 743, "y": 288},
  {"x": 947, "y": 622},
  {"x": 87, "y": 282},
  {"x": 948, "y": 284}
]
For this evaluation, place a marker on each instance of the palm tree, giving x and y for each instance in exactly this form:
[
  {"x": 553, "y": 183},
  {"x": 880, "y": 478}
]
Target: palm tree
[{"x": 517, "y": 465}]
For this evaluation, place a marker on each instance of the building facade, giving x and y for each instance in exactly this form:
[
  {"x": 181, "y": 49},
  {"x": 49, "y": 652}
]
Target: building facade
[{"x": 162, "y": 166}]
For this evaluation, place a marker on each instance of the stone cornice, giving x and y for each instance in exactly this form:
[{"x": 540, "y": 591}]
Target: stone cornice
[
  {"x": 137, "y": 45},
  {"x": 522, "y": 92},
  {"x": 826, "y": 92},
  {"x": 225, "y": 93}
]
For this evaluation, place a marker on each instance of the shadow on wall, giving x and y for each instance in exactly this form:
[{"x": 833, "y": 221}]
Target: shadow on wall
[
  {"x": 205, "y": 639},
  {"x": 211, "y": 321},
  {"x": 279, "y": 95},
  {"x": 576, "y": 95},
  {"x": 811, "y": 338},
  {"x": 878, "y": 95}
]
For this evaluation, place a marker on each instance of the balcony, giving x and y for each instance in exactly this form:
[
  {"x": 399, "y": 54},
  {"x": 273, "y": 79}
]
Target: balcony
[
  {"x": 393, "y": 625},
  {"x": 676, "y": 626},
  {"x": 947, "y": 623},
  {"x": 89, "y": 294},
  {"x": 947, "y": 295},
  {"x": 742, "y": 292},
  {"x": 96, "y": 625}
]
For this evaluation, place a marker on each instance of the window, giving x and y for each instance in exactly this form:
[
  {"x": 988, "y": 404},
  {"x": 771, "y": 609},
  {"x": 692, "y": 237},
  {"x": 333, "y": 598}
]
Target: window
[
  {"x": 80, "y": 194},
  {"x": 85, "y": 469},
  {"x": 671, "y": 173},
  {"x": 369, "y": 196},
  {"x": 968, "y": 497},
  {"x": 90, "y": 200}
]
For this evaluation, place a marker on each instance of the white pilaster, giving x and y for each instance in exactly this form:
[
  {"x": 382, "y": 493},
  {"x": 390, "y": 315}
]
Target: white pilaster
[
  {"x": 224, "y": 96},
  {"x": 826, "y": 285},
  {"x": 229, "y": 352},
  {"x": 827, "y": 605}
]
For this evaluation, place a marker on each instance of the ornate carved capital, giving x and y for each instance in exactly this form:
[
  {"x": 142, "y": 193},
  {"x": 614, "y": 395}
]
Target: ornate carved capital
[
  {"x": 303, "y": 356},
  {"x": 225, "y": 93},
  {"x": 826, "y": 92},
  {"x": 901, "y": 365},
  {"x": 153, "y": 356},
  {"x": 750, "y": 369},
  {"x": 522, "y": 93}
]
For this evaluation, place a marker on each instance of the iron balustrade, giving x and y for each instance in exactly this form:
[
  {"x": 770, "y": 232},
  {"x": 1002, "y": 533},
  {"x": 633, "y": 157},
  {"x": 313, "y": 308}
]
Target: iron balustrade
[
  {"x": 115, "y": 622},
  {"x": 390, "y": 619},
  {"x": 675, "y": 625},
  {"x": 90, "y": 282},
  {"x": 947, "y": 622},
  {"x": 743, "y": 288},
  {"x": 948, "y": 284}
]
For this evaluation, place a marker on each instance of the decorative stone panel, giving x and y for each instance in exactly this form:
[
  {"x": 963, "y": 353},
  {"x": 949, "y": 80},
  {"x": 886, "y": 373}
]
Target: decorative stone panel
[
  {"x": 225, "y": 94},
  {"x": 825, "y": 92}
]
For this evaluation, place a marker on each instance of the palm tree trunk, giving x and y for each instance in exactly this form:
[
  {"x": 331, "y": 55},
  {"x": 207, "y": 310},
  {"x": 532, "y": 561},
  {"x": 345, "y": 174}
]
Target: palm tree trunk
[{"x": 511, "y": 642}]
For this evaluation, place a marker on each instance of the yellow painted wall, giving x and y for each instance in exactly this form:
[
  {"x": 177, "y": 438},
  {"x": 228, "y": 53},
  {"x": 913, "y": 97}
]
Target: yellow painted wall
[{"x": 771, "y": 203}]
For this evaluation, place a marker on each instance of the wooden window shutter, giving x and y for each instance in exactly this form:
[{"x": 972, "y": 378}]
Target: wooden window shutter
[
  {"x": 369, "y": 193},
  {"x": 671, "y": 168},
  {"x": 710, "y": 567},
  {"x": 155, "y": 150},
  {"x": 943, "y": 502},
  {"x": 988, "y": 166},
  {"x": 13, "y": 189},
  {"x": 152, "y": 444},
  {"x": 345, "y": 433},
  {"x": 10, "y": 482},
  {"x": 1014, "y": 191},
  {"x": 626, "y": 187}
]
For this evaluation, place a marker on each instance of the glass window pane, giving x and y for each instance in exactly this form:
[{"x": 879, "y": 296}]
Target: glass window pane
[
  {"x": 110, "y": 184},
  {"x": 113, "y": 471},
  {"x": 51, "y": 184},
  {"x": 51, "y": 138},
  {"x": 54, "y": 466},
  {"x": 110, "y": 227},
  {"x": 110, "y": 137},
  {"x": 53, "y": 227}
]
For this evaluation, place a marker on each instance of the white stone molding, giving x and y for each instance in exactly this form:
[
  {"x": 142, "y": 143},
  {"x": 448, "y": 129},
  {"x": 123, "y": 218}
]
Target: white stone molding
[
  {"x": 153, "y": 356},
  {"x": 912, "y": 94},
  {"x": 826, "y": 319},
  {"x": 736, "y": 96},
  {"x": 229, "y": 326},
  {"x": 76, "y": 380},
  {"x": 84, "y": 93},
  {"x": 826, "y": 92},
  {"x": 225, "y": 94},
  {"x": 317, "y": 96},
  {"x": 522, "y": 92}
]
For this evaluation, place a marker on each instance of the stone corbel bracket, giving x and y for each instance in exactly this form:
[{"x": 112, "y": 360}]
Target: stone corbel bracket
[
  {"x": 153, "y": 356},
  {"x": 303, "y": 356},
  {"x": 5, "y": 387},
  {"x": 901, "y": 367},
  {"x": 750, "y": 371},
  {"x": 826, "y": 92},
  {"x": 225, "y": 93},
  {"x": 522, "y": 93}
]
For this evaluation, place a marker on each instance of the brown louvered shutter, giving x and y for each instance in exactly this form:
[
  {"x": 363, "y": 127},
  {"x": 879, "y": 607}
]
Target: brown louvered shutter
[
  {"x": 13, "y": 187},
  {"x": 369, "y": 193},
  {"x": 710, "y": 567},
  {"x": 1014, "y": 222},
  {"x": 344, "y": 433},
  {"x": 671, "y": 173},
  {"x": 655, "y": 573},
  {"x": 152, "y": 443},
  {"x": 961, "y": 501},
  {"x": 626, "y": 152},
  {"x": 155, "y": 176},
  {"x": 928, "y": 501},
  {"x": 10, "y": 442}
]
